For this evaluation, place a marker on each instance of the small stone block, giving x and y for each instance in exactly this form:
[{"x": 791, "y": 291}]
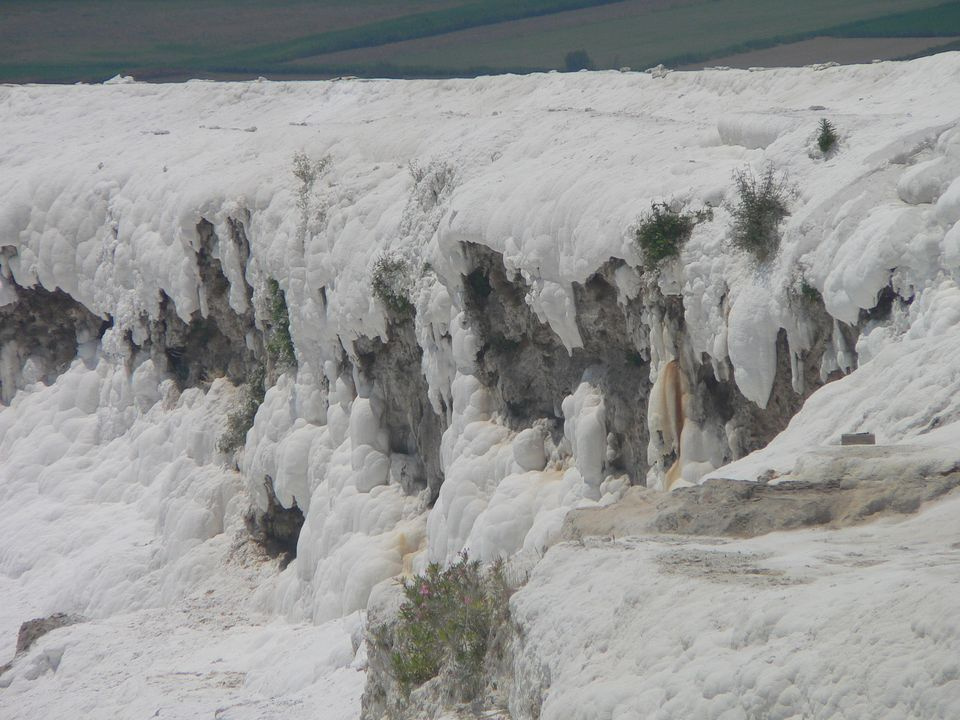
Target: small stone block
[{"x": 863, "y": 438}]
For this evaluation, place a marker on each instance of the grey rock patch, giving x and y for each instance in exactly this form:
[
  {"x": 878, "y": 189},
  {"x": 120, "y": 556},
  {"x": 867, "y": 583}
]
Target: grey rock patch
[
  {"x": 722, "y": 567},
  {"x": 736, "y": 508},
  {"x": 381, "y": 691},
  {"x": 33, "y": 630},
  {"x": 861, "y": 438}
]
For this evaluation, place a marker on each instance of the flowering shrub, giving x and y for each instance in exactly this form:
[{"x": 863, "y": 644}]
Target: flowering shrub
[{"x": 446, "y": 624}]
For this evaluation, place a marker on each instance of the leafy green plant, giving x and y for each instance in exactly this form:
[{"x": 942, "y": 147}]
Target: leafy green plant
[
  {"x": 241, "y": 419},
  {"x": 663, "y": 231},
  {"x": 827, "y": 137},
  {"x": 280, "y": 344},
  {"x": 809, "y": 293},
  {"x": 760, "y": 208},
  {"x": 392, "y": 283},
  {"x": 446, "y": 624}
]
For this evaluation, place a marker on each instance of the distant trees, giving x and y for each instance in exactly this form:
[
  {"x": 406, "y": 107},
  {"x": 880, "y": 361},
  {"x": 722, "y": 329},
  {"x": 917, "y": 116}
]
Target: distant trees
[{"x": 577, "y": 60}]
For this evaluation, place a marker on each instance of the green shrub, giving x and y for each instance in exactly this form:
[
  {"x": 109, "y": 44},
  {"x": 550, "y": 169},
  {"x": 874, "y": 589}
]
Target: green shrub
[
  {"x": 241, "y": 419},
  {"x": 663, "y": 231},
  {"x": 809, "y": 293},
  {"x": 761, "y": 207},
  {"x": 280, "y": 344},
  {"x": 803, "y": 296},
  {"x": 392, "y": 283},
  {"x": 446, "y": 624},
  {"x": 827, "y": 137},
  {"x": 433, "y": 182}
]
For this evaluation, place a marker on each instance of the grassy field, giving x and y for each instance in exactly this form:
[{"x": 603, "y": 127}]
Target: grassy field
[
  {"x": 477, "y": 14},
  {"x": 70, "y": 40},
  {"x": 826, "y": 49},
  {"x": 638, "y": 38},
  {"x": 936, "y": 21},
  {"x": 66, "y": 40},
  {"x": 61, "y": 40}
]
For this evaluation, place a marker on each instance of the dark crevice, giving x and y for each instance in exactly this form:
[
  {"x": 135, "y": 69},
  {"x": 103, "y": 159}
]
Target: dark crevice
[
  {"x": 277, "y": 529},
  {"x": 749, "y": 426},
  {"x": 43, "y": 326},
  {"x": 531, "y": 372},
  {"x": 882, "y": 311},
  {"x": 214, "y": 343},
  {"x": 611, "y": 333},
  {"x": 393, "y": 375}
]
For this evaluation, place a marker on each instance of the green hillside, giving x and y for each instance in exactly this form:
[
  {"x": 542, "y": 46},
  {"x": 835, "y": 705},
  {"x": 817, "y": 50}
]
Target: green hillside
[{"x": 90, "y": 40}]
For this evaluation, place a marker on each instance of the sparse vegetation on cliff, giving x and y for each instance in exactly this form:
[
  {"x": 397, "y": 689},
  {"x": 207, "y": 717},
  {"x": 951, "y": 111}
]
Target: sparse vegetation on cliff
[
  {"x": 392, "y": 283},
  {"x": 280, "y": 344},
  {"x": 662, "y": 232},
  {"x": 760, "y": 208},
  {"x": 826, "y": 137},
  {"x": 241, "y": 420}
]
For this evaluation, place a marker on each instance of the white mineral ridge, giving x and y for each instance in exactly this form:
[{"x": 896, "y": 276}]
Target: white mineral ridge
[
  {"x": 116, "y": 504},
  {"x": 839, "y": 625}
]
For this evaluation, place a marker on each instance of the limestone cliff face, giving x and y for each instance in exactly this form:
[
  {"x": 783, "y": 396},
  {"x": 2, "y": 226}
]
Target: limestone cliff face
[
  {"x": 667, "y": 415},
  {"x": 400, "y": 320},
  {"x": 458, "y": 336}
]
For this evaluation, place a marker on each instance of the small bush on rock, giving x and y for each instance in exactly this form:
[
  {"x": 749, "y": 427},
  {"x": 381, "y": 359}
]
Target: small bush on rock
[
  {"x": 760, "y": 208},
  {"x": 663, "y": 231},
  {"x": 241, "y": 419},
  {"x": 827, "y": 137},
  {"x": 809, "y": 293},
  {"x": 446, "y": 624},
  {"x": 280, "y": 344},
  {"x": 392, "y": 283}
]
